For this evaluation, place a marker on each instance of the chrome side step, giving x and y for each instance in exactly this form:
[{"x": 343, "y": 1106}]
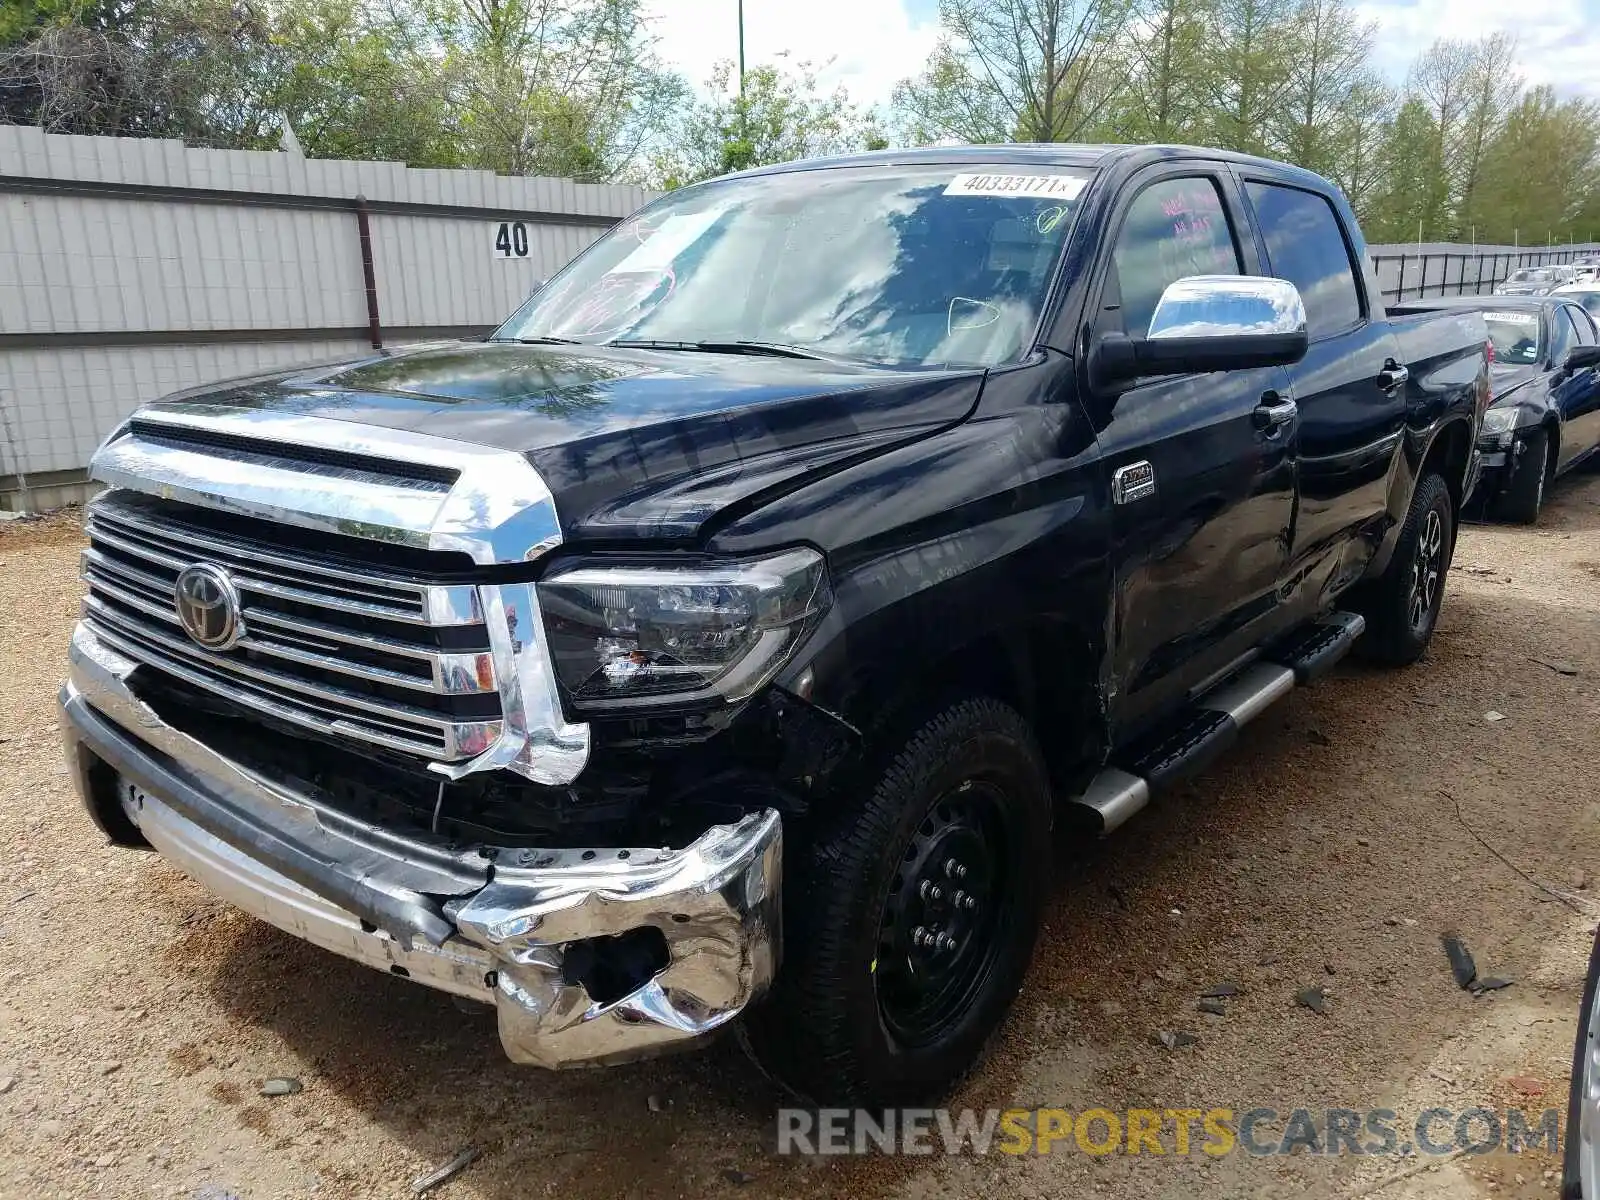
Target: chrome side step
[
  {"x": 1250, "y": 694},
  {"x": 1207, "y": 727},
  {"x": 1114, "y": 796}
]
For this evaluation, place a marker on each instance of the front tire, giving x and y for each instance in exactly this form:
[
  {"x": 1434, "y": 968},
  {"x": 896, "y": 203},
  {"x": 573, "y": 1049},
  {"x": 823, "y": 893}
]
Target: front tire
[
  {"x": 1402, "y": 606},
  {"x": 1524, "y": 494},
  {"x": 910, "y": 920}
]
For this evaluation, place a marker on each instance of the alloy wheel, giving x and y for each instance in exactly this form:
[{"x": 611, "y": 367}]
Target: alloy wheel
[{"x": 1427, "y": 571}]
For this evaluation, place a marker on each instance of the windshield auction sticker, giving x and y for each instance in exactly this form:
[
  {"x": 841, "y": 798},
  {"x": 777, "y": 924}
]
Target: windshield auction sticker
[
  {"x": 1514, "y": 318},
  {"x": 1059, "y": 187}
]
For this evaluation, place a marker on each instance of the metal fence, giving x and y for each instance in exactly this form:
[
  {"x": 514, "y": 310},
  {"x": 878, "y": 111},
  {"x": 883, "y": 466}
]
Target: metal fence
[
  {"x": 1444, "y": 270},
  {"x": 132, "y": 267}
]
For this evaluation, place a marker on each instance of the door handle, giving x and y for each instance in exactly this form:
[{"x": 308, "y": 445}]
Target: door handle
[
  {"x": 1274, "y": 411},
  {"x": 1393, "y": 375}
]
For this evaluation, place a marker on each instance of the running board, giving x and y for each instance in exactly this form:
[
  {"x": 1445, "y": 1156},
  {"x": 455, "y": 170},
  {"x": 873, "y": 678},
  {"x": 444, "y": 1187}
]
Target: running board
[{"x": 1210, "y": 725}]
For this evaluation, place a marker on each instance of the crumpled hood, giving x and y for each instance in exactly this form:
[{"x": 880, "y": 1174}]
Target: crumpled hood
[
  {"x": 631, "y": 442},
  {"x": 1506, "y": 379}
]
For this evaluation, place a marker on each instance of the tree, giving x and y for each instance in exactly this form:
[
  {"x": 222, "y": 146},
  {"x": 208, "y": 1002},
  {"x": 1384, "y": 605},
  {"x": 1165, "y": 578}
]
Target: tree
[
  {"x": 1016, "y": 70},
  {"x": 67, "y": 62},
  {"x": 568, "y": 87},
  {"x": 1252, "y": 45},
  {"x": 780, "y": 116},
  {"x": 1539, "y": 173},
  {"x": 1168, "y": 51},
  {"x": 1363, "y": 123},
  {"x": 559, "y": 87},
  {"x": 1327, "y": 68},
  {"x": 227, "y": 73},
  {"x": 1414, "y": 197},
  {"x": 1493, "y": 86}
]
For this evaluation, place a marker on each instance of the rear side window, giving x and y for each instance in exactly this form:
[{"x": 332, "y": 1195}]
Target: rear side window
[
  {"x": 1173, "y": 229},
  {"x": 1561, "y": 335},
  {"x": 1581, "y": 322},
  {"x": 1305, "y": 246}
]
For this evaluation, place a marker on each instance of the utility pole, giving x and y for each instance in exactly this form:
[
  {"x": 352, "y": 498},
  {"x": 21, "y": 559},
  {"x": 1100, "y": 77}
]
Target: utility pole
[{"x": 741, "y": 49}]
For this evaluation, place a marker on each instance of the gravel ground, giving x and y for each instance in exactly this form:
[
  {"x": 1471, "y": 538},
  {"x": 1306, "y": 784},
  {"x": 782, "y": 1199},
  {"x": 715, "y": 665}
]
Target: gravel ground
[{"x": 1353, "y": 824}]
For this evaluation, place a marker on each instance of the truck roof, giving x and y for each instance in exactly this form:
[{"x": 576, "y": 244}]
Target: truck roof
[{"x": 1045, "y": 154}]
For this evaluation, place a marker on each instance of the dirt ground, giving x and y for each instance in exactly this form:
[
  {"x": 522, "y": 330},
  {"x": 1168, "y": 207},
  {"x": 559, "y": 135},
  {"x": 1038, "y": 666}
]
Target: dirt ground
[{"x": 1353, "y": 824}]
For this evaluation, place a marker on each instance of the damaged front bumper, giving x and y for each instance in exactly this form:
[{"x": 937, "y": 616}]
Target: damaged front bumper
[{"x": 508, "y": 928}]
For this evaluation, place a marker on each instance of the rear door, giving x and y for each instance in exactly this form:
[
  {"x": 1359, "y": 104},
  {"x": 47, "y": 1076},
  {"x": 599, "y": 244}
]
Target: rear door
[
  {"x": 1350, "y": 386},
  {"x": 1201, "y": 466}
]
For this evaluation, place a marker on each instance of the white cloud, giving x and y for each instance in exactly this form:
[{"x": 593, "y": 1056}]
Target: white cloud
[
  {"x": 1557, "y": 40},
  {"x": 869, "y": 45}
]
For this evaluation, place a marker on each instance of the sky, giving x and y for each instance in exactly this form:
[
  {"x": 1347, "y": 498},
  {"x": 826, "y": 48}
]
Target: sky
[{"x": 872, "y": 44}]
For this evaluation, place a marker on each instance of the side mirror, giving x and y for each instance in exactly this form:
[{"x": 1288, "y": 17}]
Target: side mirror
[
  {"x": 1580, "y": 358},
  {"x": 1210, "y": 323}
]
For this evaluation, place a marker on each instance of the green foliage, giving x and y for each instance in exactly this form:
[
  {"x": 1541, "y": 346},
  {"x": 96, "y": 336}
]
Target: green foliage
[
  {"x": 1461, "y": 150},
  {"x": 566, "y": 87},
  {"x": 778, "y": 116},
  {"x": 576, "y": 88},
  {"x": 1018, "y": 70}
]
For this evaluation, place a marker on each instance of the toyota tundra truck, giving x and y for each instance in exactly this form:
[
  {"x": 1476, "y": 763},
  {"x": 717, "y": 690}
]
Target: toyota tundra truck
[{"x": 724, "y": 643}]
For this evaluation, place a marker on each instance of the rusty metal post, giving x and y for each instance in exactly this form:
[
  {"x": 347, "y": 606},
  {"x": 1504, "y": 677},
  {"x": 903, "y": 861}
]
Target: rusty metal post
[{"x": 368, "y": 274}]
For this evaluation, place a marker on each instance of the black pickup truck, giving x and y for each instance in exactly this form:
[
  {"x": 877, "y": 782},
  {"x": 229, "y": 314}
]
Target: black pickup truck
[{"x": 723, "y": 641}]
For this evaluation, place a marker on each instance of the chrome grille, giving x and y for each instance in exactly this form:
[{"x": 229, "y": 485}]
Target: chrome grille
[{"x": 348, "y": 648}]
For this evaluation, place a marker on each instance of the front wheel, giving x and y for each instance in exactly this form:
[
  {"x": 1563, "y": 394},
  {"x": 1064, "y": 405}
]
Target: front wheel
[
  {"x": 1402, "y": 605},
  {"x": 1524, "y": 494},
  {"x": 909, "y": 921}
]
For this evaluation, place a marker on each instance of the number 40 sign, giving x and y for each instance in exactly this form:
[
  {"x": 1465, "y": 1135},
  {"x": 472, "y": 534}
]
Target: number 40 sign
[{"x": 511, "y": 240}]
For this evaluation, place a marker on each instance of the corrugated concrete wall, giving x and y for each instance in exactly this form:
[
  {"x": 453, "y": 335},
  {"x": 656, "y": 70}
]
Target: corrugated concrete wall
[{"x": 132, "y": 267}]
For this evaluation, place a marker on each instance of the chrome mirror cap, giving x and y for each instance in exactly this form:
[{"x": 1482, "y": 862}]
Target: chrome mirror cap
[{"x": 1209, "y": 306}]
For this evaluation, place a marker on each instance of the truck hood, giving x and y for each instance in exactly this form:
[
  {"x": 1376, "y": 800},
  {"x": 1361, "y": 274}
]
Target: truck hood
[{"x": 631, "y": 442}]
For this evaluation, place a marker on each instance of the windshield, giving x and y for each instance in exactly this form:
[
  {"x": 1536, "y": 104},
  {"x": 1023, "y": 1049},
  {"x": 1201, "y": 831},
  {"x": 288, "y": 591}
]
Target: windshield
[
  {"x": 908, "y": 266},
  {"x": 1515, "y": 336},
  {"x": 1526, "y": 276}
]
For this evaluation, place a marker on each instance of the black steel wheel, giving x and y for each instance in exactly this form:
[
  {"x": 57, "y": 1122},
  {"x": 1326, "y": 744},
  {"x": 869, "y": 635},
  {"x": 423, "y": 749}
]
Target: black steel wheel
[
  {"x": 910, "y": 916},
  {"x": 1524, "y": 493},
  {"x": 939, "y": 935}
]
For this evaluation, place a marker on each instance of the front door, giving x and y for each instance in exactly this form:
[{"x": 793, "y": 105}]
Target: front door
[
  {"x": 1201, "y": 467},
  {"x": 1577, "y": 395}
]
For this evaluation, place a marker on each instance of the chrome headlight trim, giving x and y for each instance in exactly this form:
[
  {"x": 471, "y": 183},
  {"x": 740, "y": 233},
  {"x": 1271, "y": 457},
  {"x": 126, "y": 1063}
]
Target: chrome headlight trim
[{"x": 535, "y": 739}]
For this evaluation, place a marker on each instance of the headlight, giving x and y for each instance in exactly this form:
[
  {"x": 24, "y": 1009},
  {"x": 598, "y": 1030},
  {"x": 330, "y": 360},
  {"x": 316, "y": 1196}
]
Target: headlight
[
  {"x": 650, "y": 636},
  {"x": 1500, "y": 420}
]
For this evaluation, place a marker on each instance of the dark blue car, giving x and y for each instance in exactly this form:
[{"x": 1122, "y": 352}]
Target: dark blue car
[{"x": 1544, "y": 419}]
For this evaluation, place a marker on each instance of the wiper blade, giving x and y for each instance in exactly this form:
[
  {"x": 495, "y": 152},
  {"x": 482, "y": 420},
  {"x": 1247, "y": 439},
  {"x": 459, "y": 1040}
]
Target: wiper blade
[
  {"x": 540, "y": 341},
  {"x": 770, "y": 349}
]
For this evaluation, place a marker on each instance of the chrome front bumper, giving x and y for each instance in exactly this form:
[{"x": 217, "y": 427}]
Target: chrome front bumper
[{"x": 441, "y": 916}]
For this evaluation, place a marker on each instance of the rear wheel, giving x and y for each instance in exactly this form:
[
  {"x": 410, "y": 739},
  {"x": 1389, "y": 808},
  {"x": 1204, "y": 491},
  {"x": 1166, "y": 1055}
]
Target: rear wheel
[
  {"x": 1524, "y": 494},
  {"x": 1402, "y": 605},
  {"x": 910, "y": 921}
]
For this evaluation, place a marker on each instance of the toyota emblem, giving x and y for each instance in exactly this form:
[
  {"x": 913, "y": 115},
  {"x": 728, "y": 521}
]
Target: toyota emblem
[{"x": 208, "y": 606}]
